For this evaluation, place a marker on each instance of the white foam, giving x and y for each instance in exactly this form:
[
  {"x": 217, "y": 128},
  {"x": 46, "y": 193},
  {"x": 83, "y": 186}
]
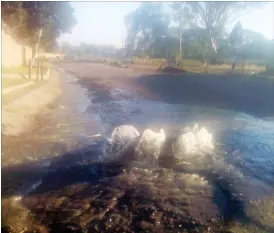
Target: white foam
[
  {"x": 204, "y": 139},
  {"x": 193, "y": 141},
  {"x": 121, "y": 138},
  {"x": 150, "y": 144}
]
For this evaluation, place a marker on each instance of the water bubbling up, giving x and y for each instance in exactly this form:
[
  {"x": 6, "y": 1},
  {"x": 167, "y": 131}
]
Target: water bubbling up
[
  {"x": 149, "y": 147},
  {"x": 193, "y": 141}
]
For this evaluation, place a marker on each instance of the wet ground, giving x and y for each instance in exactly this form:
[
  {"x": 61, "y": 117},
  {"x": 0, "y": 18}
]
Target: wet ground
[{"x": 76, "y": 193}]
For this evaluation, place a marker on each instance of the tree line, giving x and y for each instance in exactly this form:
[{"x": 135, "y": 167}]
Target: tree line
[{"x": 195, "y": 30}]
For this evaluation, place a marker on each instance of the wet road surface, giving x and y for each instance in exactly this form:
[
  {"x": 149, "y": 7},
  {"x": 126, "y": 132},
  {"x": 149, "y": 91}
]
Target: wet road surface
[{"x": 76, "y": 193}]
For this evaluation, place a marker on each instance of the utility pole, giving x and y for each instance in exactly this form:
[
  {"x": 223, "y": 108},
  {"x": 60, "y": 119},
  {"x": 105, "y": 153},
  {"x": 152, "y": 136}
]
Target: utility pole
[
  {"x": 122, "y": 38},
  {"x": 273, "y": 26},
  {"x": 180, "y": 55}
]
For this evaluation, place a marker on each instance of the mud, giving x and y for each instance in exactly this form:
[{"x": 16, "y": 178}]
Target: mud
[{"x": 78, "y": 193}]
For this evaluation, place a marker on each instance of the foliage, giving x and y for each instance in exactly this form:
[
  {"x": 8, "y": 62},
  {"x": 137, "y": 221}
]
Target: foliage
[
  {"x": 214, "y": 16},
  {"x": 270, "y": 66},
  {"x": 26, "y": 18},
  {"x": 236, "y": 36},
  {"x": 151, "y": 33},
  {"x": 145, "y": 25},
  {"x": 89, "y": 51}
]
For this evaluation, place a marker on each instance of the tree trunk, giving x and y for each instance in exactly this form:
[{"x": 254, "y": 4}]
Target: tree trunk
[
  {"x": 207, "y": 65},
  {"x": 42, "y": 70},
  {"x": 36, "y": 47},
  {"x": 233, "y": 65},
  {"x": 38, "y": 70},
  {"x": 30, "y": 68},
  {"x": 243, "y": 68}
]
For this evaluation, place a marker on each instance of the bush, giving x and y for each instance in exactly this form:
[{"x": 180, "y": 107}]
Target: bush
[
  {"x": 170, "y": 69},
  {"x": 115, "y": 64},
  {"x": 270, "y": 67}
]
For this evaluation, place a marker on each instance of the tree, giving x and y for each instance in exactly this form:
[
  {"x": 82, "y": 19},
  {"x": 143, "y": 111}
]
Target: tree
[
  {"x": 236, "y": 41},
  {"x": 26, "y": 19},
  {"x": 214, "y": 16},
  {"x": 183, "y": 18},
  {"x": 144, "y": 25}
]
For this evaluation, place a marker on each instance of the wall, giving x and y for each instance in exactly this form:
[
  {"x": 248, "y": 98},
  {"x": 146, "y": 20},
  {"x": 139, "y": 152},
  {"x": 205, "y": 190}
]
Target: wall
[
  {"x": 13, "y": 53},
  {"x": 52, "y": 55}
]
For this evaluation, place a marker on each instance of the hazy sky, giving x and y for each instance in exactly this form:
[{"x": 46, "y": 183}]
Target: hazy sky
[{"x": 102, "y": 22}]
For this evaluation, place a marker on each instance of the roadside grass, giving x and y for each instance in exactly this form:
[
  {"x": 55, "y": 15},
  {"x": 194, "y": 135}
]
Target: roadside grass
[
  {"x": 24, "y": 69},
  {"x": 148, "y": 61},
  {"x": 189, "y": 65},
  {"x": 9, "y": 82},
  {"x": 6, "y": 99},
  {"x": 197, "y": 66},
  {"x": 17, "y": 69}
]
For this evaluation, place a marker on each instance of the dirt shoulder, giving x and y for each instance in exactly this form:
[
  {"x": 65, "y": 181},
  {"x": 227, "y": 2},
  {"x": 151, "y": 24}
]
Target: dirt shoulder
[{"x": 21, "y": 106}]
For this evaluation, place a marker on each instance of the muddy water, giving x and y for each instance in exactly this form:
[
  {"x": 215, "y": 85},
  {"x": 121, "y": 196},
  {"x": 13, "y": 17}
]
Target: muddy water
[
  {"x": 78, "y": 194},
  {"x": 245, "y": 147},
  {"x": 64, "y": 126}
]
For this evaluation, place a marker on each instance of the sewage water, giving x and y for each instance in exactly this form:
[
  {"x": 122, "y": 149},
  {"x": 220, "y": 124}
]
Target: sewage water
[
  {"x": 244, "y": 158},
  {"x": 245, "y": 146}
]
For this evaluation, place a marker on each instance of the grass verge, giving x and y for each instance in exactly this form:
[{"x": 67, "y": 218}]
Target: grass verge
[
  {"x": 10, "y": 82},
  {"x": 21, "y": 92},
  {"x": 24, "y": 69}
]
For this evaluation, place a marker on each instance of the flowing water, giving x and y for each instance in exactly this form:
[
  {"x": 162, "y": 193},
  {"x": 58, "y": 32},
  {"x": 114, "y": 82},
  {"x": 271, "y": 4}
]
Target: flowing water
[
  {"x": 244, "y": 148},
  {"x": 241, "y": 169}
]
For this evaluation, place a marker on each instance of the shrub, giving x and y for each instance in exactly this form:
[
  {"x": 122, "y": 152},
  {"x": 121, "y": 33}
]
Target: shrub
[
  {"x": 270, "y": 67},
  {"x": 115, "y": 63}
]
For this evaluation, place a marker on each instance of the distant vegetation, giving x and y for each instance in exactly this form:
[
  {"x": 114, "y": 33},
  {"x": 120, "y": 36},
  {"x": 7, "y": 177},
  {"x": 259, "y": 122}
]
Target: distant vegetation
[
  {"x": 198, "y": 25},
  {"x": 153, "y": 36}
]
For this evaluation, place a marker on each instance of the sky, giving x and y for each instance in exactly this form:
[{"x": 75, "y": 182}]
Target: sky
[{"x": 103, "y": 22}]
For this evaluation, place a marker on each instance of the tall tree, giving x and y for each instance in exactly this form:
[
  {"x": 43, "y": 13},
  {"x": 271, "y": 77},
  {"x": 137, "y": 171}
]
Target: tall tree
[
  {"x": 214, "y": 16},
  {"x": 27, "y": 18},
  {"x": 144, "y": 25},
  {"x": 183, "y": 18},
  {"x": 236, "y": 41}
]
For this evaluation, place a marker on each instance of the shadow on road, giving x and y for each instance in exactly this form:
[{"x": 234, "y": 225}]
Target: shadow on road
[
  {"x": 249, "y": 95},
  {"x": 77, "y": 191}
]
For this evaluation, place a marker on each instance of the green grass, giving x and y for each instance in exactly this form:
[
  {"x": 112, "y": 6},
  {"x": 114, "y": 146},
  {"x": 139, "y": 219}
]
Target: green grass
[{"x": 9, "y": 82}]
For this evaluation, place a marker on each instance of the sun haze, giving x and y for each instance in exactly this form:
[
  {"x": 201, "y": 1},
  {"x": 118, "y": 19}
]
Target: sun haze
[{"x": 103, "y": 22}]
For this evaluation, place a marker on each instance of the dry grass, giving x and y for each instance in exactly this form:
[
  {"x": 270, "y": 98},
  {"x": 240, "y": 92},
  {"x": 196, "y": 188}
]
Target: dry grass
[
  {"x": 9, "y": 82},
  {"x": 20, "y": 106},
  {"x": 16, "y": 70},
  {"x": 14, "y": 95},
  {"x": 148, "y": 61},
  {"x": 197, "y": 66},
  {"x": 24, "y": 69}
]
